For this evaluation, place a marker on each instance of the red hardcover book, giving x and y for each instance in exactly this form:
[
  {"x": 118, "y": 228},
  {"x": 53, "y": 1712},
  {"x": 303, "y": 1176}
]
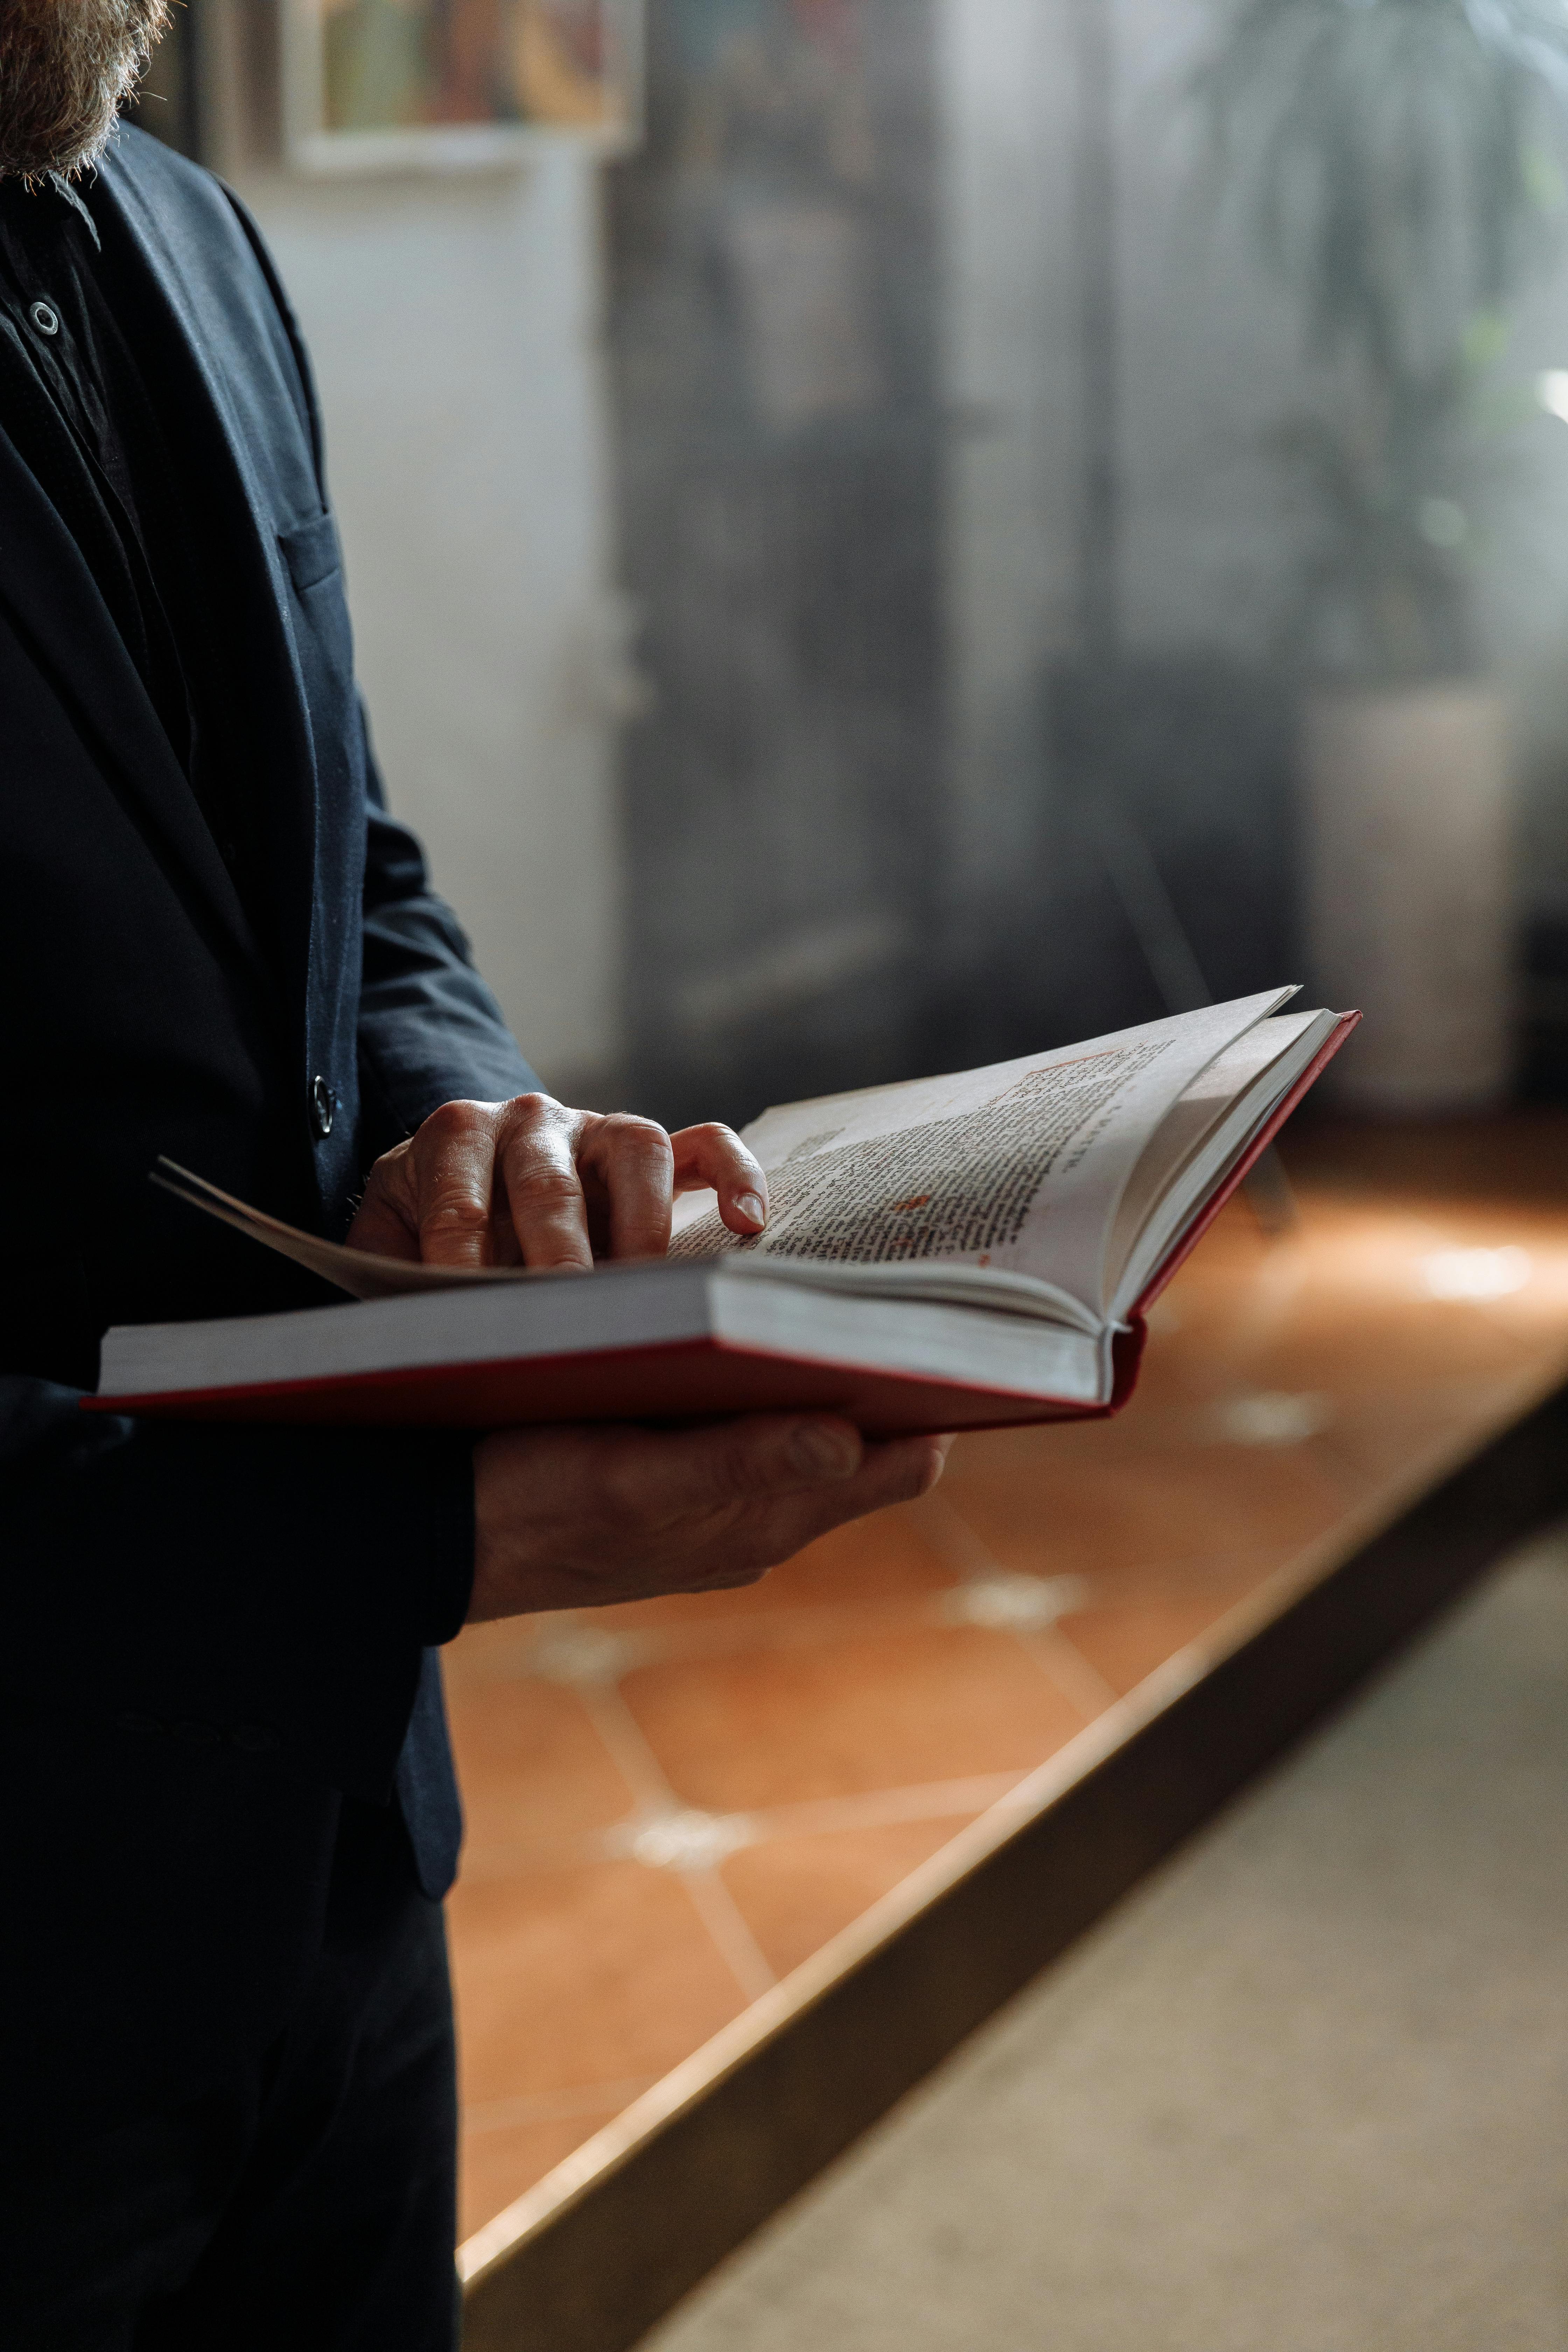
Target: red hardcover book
[{"x": 954, "y": 1252}]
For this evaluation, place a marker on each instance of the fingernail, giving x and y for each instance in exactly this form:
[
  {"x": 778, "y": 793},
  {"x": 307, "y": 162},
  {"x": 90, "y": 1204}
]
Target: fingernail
[
  {"x": 818, "y": 1450},
  {"x": 750, "y": 1206}
]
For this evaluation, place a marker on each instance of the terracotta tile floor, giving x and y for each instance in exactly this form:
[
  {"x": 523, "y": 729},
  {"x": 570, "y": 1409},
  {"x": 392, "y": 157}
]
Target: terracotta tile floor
[{"x": 671, "y": 1805}]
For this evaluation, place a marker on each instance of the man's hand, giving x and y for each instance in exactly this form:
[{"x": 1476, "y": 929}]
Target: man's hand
[
  {"x": 571, "y": 1518},
  {"x": 568, "y": 1517},
  {"x": 528, "y": 1182}
]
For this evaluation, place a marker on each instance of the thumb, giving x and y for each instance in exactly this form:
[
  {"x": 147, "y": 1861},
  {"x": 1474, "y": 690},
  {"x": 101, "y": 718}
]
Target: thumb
[{"x": 749, "y": 1460}]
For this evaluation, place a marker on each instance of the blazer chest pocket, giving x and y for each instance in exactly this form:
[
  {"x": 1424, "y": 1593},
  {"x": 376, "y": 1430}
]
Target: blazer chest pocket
[
  {"x": 312, "y": 553},
  {"x": 322, "y": 632}
]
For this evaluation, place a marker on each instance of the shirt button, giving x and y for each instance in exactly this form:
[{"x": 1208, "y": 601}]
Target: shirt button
[
  {"x": 46, "y": 318},
  {"x": 324, "y": 1105}
]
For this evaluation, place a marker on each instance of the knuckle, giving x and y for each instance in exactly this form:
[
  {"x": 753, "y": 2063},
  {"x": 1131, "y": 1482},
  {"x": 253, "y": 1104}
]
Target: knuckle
[
  {"x": 455, "y": 1122},
  {"x": 628, "y": 1132},
  {"x": 743, "y": 1465},
  {"x": 529, "y": 1109},
  {"x": 723, "y": 1489},
  {"x": 457, "y": 1211}
]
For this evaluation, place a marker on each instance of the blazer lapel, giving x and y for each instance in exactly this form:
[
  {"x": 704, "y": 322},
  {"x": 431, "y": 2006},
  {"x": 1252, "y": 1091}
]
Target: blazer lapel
[
  {"x": 204, "y": 294},
  {"x": 59, "y": 611}
]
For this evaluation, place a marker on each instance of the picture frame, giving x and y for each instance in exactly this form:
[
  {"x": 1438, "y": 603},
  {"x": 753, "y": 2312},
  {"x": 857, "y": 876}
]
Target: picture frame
[{"x": 457, "y": 85}]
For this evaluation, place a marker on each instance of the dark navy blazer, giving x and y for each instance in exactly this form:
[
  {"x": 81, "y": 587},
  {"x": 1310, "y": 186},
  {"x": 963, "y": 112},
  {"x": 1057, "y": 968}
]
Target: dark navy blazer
[{"x": 207, "y": 1636}]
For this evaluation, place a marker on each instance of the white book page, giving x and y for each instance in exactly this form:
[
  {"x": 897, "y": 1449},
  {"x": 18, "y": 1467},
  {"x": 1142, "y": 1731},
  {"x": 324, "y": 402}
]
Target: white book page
[
  {"x": 362, "y": 1273},
  {"x": 1191, "y": 1123},
  {"x": 1230, "y": 1101},
  {"x": 1016, "y": 1170}
]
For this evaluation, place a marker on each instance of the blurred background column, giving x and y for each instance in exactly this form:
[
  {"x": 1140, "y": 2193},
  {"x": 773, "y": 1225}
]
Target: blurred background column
[
  {"x": 780, "y": 441},
  {"x": 1009, "y": 131}
]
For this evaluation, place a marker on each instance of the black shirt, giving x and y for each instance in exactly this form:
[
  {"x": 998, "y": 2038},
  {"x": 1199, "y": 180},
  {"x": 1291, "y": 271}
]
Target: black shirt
[{"x": 94, "y": 416}]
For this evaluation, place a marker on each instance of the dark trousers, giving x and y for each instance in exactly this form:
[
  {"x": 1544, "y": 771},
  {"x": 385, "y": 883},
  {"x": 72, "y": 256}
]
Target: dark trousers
[{"x": 305, "y": 2203}]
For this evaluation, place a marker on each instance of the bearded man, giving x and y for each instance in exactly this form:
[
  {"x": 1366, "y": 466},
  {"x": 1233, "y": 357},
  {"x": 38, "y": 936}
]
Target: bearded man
[{"x": 229, "y": 2107}]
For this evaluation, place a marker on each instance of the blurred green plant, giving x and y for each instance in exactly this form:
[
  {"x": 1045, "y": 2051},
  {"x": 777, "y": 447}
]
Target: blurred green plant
[{"x": 1397, "y": 165}]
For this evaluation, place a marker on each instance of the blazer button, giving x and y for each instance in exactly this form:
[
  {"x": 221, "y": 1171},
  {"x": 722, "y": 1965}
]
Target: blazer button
[{"x": 323, "y": 1107}]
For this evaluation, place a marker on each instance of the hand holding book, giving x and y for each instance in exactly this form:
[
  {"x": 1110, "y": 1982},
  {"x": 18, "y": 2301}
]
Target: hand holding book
[
  {"x": 574, "y": 1518},
  {"x": 954, "y": 1251}
]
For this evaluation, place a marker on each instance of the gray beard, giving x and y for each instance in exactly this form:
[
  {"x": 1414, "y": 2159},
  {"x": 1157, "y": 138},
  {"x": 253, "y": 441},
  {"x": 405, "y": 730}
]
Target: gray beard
[{"x": 65, "y": 67}]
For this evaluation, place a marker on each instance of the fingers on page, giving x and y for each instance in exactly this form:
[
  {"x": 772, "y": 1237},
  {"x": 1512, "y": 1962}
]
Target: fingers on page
[
  {"x": 543, "y": 1190},
  {"x": 451, "y": 1166},
  {"x": 631, "y": 1159},
  {"x": 712, "y": 1157}
]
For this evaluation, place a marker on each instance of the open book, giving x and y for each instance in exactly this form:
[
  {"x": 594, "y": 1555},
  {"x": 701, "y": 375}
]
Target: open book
[{"x": 951, "y": 1253}]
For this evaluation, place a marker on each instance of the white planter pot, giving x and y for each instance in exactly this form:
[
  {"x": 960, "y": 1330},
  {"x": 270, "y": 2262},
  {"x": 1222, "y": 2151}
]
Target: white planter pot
[{"x": 1406, "y": 845}]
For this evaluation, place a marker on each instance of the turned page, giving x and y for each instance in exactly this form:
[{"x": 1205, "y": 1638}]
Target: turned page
[
  {"x": 1012, "y": 1171},
  {"x": 1202, "y": 1135}
]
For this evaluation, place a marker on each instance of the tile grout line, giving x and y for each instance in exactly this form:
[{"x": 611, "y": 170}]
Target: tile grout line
[
  {"x": 793, "y": 1626},
  {"x": 807, "y": 1626},
  {"x": 722, "y": 1917},
  {"x": 810, "y": 1817},
  {"x": 618, "y": 1727},
  {"x": 1077, "y": 1680},
  {"x": 1077, "y": 1677},
  {"x": 955, "y": 1541},
  {"x": 710, "y": 1898}
]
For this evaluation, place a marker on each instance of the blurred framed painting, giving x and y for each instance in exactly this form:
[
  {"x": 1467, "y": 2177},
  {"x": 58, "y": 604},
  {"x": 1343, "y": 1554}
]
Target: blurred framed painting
[{"x": 446, "y": 85}]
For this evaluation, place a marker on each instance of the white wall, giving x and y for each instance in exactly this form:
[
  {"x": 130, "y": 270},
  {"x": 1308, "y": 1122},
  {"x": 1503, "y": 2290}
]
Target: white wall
[{"x": 456, "y": 328}]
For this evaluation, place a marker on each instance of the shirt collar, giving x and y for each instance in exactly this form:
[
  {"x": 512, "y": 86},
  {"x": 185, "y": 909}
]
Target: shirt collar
[
  {"x": 20, "y": 205},
  {"x": 63, "y": 188}
]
